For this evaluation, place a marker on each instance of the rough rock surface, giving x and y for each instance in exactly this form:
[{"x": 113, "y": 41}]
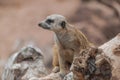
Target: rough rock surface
[{"x": 26, "y": 63}]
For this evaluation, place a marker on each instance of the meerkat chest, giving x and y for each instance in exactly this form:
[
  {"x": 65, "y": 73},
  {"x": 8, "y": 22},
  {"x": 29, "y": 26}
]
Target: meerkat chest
[{"x": 67, "y": 41}]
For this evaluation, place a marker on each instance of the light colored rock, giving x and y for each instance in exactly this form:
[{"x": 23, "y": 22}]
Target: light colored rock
[{"x": 24, "y": 64}]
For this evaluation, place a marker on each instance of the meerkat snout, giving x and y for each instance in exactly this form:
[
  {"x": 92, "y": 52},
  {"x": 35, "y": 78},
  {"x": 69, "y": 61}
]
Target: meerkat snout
[
  {"x": 53, "y": 22},
  {"x": 44, "y": 25}
]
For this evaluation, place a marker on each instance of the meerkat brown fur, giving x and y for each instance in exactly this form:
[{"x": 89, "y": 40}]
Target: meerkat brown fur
[{"x": 69, "y": 41}]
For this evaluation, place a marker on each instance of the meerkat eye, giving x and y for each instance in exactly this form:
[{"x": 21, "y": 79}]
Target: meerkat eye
[
  {"x": 63, "y": 24},
  {"x": 49, "y": 21}
]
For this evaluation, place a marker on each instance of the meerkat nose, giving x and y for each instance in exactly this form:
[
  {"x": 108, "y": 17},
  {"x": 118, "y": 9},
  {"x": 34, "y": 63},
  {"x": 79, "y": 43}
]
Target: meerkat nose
[{"x": 40, "y": 24}]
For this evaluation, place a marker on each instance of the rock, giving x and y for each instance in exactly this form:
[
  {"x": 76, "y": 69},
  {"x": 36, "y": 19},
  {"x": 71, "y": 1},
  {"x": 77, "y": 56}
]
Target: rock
[
  {"x": 24, "y": 64},
  {"x": 69, "y": 76}
]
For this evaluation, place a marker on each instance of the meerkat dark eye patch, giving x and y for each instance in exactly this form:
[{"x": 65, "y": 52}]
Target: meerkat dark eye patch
[
  {"x": 49, "y": 21},
  {"x": 63, "y": 24}
]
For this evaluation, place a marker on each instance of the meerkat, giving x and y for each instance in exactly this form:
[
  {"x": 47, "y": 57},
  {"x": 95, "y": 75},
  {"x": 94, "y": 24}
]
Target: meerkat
[{"x": 69, "y": 41}]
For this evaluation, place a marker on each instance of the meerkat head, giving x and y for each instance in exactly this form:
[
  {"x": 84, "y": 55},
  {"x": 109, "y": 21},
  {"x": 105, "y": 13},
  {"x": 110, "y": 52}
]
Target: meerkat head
[{"x": 53, "y": 22}]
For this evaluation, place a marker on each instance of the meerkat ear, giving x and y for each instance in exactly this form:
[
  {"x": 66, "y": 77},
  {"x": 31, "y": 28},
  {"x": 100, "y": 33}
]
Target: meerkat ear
[{"x": 63, "y": 24}]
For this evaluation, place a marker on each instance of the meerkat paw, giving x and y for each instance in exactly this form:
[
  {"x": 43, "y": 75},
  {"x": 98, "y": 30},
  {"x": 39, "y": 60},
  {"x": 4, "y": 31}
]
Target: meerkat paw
[{"x": 56, "y": 69}]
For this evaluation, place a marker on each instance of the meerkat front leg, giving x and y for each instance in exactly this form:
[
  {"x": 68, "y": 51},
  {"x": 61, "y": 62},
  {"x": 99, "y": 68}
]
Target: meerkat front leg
[
  {"x": 55, "y": 59},
  {"x": 62, "y": 63}
]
